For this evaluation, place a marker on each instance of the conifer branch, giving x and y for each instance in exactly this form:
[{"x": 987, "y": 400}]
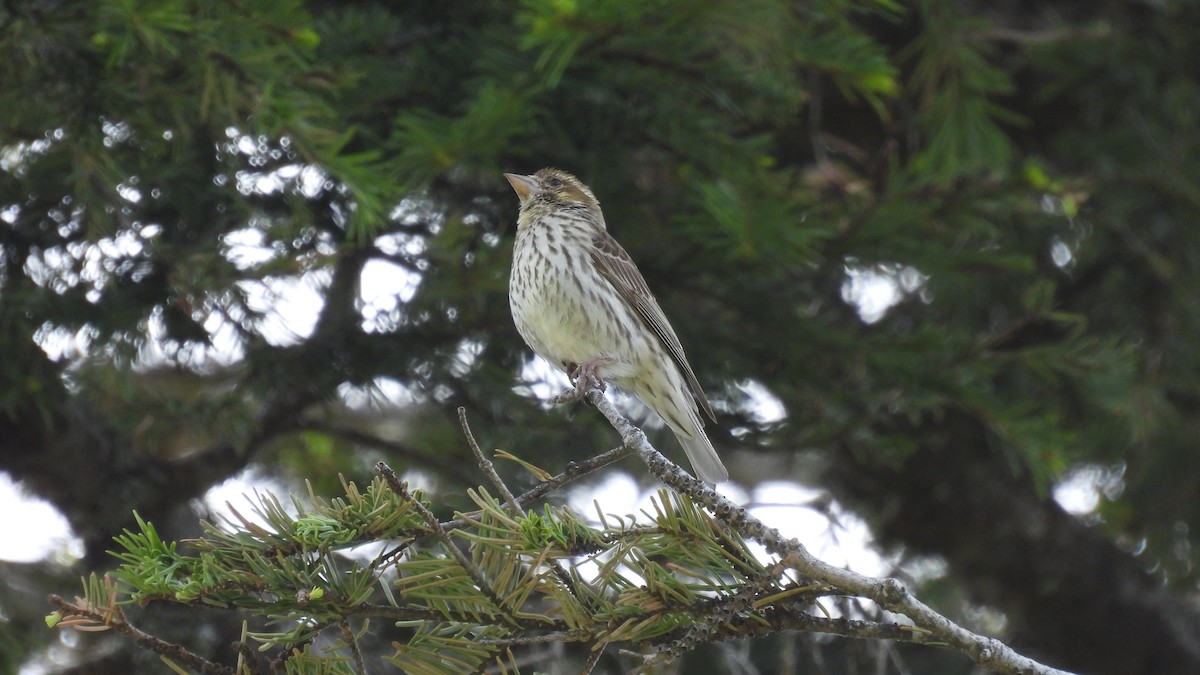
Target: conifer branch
[
  {"x": 573, "y": 471},
  {"x": 115, "y": 619},
  {"x": 665, "y": 581},
  {"x": 443, "y": 536},
  {"x": 514, "y": 504},
  {"x": 889, "y": 594}
]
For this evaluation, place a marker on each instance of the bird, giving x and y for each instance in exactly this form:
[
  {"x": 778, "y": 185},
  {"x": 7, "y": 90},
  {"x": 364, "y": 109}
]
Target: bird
[{"x": 579, "y": 301}]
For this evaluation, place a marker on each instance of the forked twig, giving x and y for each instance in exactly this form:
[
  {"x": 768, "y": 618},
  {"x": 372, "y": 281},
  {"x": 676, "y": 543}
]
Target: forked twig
[{"x": 443, "y": 536}]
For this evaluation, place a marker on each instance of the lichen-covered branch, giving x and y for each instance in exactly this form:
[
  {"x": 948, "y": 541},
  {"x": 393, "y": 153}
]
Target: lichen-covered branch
[{"x": 888, "y": 593}]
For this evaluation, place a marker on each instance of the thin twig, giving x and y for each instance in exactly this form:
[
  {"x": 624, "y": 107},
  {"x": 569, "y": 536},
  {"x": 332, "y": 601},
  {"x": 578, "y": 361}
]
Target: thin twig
[
  {"x": 514, "y": 506},
  {"x": 486, "y": 465},
  {"x": 393, "y": 481},
  {"x": 411, "y": 613},
  {"x": 1037, "y": 37},
  {"x": 352, "y": 642},
  {"x": 168, "y": 650},
  {"x": 889, "y": 594},
  {"x": 431, "y": 520},
  {"x": 247, "y": 657},
  {"x": 541, "y": 638},
  {"x": 593, "y": 659},
  {"x": 574, "y": 471},
  {"x": 390, "y": 557}
]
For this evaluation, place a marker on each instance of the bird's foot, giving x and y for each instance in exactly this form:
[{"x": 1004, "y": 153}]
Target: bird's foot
[{"x": 583, "y": 376}]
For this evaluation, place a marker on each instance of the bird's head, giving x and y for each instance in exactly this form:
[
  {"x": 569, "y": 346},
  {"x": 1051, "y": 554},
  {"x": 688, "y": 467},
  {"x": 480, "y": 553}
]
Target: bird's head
[{"x": 552, "y": 189}]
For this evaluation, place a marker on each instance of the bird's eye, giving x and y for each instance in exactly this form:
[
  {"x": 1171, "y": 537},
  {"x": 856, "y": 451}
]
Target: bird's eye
[{"x": 555, "y": 182}]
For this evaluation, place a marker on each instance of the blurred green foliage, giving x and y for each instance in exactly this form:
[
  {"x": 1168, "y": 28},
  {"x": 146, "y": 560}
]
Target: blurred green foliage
[{"x": 1023, "y": 183}]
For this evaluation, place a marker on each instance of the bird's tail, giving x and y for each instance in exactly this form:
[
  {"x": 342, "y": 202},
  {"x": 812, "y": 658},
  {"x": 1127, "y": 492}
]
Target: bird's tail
[
  {"x": 674, "y": 403},
  {"x": 704, "y": 458}
]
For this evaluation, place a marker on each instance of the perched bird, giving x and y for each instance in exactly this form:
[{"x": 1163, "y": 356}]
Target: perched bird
[{"x": 580, "y": 303}]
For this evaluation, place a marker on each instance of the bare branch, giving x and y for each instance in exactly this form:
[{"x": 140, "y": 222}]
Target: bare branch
[
  {"x": 887, "y": 593},
  {"x": 352, "y": 642},
  {"x": 486, "y": 466},
  {"x": 574, "y": 471}
]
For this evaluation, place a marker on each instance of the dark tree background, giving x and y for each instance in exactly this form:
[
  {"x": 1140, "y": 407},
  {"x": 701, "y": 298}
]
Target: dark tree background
[{"x": 1026, "y": 175}]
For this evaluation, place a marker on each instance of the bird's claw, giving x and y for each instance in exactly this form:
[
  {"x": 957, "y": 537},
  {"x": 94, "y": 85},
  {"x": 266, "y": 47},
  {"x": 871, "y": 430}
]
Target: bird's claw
[{"x": 583, "y": 377}]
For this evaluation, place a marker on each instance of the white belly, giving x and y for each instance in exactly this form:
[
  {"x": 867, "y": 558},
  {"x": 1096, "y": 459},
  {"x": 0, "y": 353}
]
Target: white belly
[{"x": 566, "y": 324}]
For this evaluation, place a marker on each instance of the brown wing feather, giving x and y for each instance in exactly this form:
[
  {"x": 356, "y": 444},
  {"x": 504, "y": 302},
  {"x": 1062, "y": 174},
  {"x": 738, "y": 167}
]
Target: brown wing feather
[{"x": 618, "y": 268}]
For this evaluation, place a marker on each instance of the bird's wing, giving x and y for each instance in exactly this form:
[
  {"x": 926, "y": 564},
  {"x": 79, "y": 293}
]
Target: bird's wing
[{"x": 615, "y": 265}]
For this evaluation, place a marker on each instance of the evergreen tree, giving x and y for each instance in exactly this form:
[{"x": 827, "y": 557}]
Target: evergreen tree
[{"x": 1021, "y": 178}]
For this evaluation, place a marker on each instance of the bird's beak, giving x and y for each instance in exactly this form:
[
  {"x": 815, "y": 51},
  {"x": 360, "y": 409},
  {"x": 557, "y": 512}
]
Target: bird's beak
[{"x": 523, "y": 185}]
